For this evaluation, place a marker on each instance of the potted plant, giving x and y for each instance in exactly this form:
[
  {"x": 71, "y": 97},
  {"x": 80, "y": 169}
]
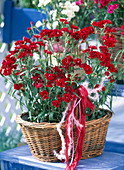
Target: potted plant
[{"x": 52, "y": 92}]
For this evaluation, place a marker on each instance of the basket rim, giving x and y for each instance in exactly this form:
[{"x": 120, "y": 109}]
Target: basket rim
[{"x": 43, "y": 125}]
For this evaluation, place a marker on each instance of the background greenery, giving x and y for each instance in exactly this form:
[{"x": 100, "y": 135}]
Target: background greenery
[
  {"x": 24, "y": 3},
  {"x": 10, "y": 141}
]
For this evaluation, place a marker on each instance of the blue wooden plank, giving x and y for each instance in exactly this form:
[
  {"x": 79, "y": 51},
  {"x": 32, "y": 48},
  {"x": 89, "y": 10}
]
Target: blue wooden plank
[
  {"x": 108, "y": 160},
  {"x": 119, "y": 168},
  {"x": 8, "y": 5},
  {"x": 2, "y": 165},
  {"x": 17, "y": 20},
  {"x": 114, "y": 147},
  {"x": 21, "y": 21},
  {"x": 5, "y": 165},
  {"x": 120, "y": 90}
]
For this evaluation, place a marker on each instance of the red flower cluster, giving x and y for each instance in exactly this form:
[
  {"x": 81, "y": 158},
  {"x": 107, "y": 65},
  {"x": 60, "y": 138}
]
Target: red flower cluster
[
  {"x": 81, "y": 34},
  {"x": 58, "y": 78},
  {"x": 77, "y": 61},
  {"x": 112, "y": 69},
  {"x": 107, "y": 63},
  {"x": 101, "y": 24},
  {"x": 74, "y": 27},
  {"x": 8, "y": 65},
  {"x": 109, "y": 40},
  {"x": 93, "y": 54},
  {"x": 48, "y": 52},
  {"x": 103, "y": 56},
  {"x": 104, "y": 2},
  {"x": 104, "y": 49},
  {"x": 69, "y": 89},
  {"x": 111, "y": 79},
  {"x": 109, "y": 30},
  {"x": 122, "y": 32},
  {"x": 50, "y": 33},
  {"x": 106, "y": 73},
  {"x": 64, "y": 21},
  {"x": 67, "y": 62}
]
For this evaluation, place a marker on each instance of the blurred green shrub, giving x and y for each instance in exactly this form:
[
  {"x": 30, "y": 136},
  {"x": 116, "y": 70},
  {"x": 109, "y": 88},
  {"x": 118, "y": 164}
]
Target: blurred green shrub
[
  {"x": 10, "y": 141},
  {"x": 24, "y": 3}
]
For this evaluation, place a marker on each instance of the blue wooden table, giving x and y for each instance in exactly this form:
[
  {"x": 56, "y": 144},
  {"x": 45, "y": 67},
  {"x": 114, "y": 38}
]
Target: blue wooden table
[
  {"x": 21, "y": 159},
  {"x": 120, "y": 90}
]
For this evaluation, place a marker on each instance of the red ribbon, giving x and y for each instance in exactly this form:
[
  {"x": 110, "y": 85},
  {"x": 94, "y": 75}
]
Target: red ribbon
[{"x": 85, "y": 102}]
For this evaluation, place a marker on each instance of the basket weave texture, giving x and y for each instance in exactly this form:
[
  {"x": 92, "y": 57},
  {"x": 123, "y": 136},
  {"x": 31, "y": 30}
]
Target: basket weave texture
[
  {"x": 43, "y": 138},
  {"x": 118, "y": 46}
]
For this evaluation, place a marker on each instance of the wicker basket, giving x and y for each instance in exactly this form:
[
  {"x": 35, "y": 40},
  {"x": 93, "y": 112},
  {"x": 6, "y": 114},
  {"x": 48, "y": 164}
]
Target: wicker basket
[
  {"x": 118, "y": 46},
  {"x": 43, "y": 138}
]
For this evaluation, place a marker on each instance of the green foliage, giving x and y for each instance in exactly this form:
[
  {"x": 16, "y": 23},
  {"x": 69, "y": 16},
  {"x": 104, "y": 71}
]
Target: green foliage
[
  {"x": 24, "y": 3},
  {"x": 84, "y": 16}
]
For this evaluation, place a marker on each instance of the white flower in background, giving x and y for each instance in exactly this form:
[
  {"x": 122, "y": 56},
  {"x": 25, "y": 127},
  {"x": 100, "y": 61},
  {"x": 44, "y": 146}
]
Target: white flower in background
[
  {"x": 38, "y": 24},
  {"x": 54, "y": 14},
  {"x": 70, "y": 14},
  {"x": 36, "y": 58},
  {"x": 33, "y": 2},
  {"x": 71, "y": 6},
  {"x": 48, "y": 25},
  {"x": 69, "y": 9},
  {"x": 75, "y": 7},
  {"x": 60, "y": 4},
  {"x": 67, "y": 4},
  {"x": 43, "y": 2},
  {"x": 54, "y": 25}
]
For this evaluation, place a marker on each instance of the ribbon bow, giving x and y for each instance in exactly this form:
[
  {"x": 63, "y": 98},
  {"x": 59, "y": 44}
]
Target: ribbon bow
[
  {"x": 71, "y": 117},
  {"x": 80, "y": 126}
]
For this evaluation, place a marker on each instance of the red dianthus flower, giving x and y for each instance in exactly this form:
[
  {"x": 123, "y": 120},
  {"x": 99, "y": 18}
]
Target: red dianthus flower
[
  {"x": 106, "y": 73},
  {"x": 56, "y": 103},
  {"x": 74, "y": 27},
  {"x": 18, "y": 86},
  {"x": 44, "y": 94},
  {"x": 103, "y": 88},
  {"x": 60, "y": 82},
  {"x": 67, "y": 97},
  {"x": 111, "y": 68},
  {"x": 94, "y": 54},
  {"x": 77, "y": 61},
  {"x": 87, "y": 68},
  {"x": 69, "y": 89}
]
